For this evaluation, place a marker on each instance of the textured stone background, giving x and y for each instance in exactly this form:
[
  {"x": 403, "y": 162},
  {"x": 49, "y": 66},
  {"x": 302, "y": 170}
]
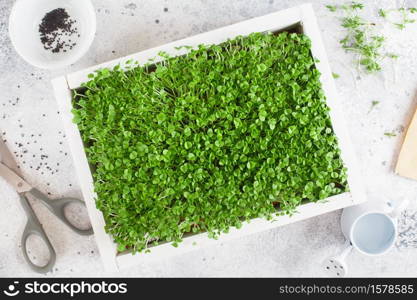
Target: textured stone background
[{"x": 29, "y": 114}]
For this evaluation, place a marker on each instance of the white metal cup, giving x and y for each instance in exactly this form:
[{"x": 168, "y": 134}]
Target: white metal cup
[{"x": 371, "y": 227}]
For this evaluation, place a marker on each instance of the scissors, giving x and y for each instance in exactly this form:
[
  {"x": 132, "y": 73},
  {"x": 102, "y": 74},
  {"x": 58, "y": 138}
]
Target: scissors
[{"x": 11, "y": 173}]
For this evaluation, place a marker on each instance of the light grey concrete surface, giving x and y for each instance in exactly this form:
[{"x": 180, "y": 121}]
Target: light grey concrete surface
[{"x": 29, "y": 115}]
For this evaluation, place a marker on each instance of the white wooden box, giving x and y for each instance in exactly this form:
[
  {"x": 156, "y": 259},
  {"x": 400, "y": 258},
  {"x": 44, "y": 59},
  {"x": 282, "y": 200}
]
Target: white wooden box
[{"x": 301, "y": 17}]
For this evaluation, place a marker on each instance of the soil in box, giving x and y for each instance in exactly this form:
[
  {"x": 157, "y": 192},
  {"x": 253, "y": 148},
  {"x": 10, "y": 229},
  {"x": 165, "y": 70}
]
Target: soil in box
[{"x": 205, "y": 141}]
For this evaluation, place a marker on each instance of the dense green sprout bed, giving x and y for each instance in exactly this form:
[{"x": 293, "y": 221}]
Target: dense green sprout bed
[{"x": 205, "y": 141}]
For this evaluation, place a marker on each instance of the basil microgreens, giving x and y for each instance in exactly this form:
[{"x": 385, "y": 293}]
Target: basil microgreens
[{"x": 205, "y": 141}]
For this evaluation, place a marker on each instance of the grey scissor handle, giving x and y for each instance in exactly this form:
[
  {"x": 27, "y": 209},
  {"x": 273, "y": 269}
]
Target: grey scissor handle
[
  {"x": 57, "y": 207},
  {"x": 33, "y": 227}
]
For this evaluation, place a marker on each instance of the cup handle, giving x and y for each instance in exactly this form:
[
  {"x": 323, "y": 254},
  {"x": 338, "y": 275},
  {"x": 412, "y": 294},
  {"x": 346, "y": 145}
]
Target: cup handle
[{"x": 346, "y": 250}]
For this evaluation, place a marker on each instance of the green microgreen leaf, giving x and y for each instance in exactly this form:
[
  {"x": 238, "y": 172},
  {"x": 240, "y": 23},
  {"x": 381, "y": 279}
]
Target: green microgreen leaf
[
  {"x": 374, "y": 103},
  {"x": 390, "y": 134},
  {"x": 332, "y": 8},
  {"x": 382, "y": 13},
  {"x": 392, "y": 55},
  {"x": 362, "y": 38}
]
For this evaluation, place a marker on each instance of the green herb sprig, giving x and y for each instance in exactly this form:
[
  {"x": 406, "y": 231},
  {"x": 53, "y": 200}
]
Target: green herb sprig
[{"x": 361, "y": 38}]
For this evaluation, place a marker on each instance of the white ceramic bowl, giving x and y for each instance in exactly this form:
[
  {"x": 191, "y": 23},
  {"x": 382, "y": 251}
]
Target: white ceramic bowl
[{"x": 25, "y": 17}]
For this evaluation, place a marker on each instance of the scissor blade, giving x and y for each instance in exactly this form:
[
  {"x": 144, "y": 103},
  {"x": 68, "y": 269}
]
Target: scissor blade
[
  {"x": 13, "y": 179},
  {"x": 7, "y": 158}
]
